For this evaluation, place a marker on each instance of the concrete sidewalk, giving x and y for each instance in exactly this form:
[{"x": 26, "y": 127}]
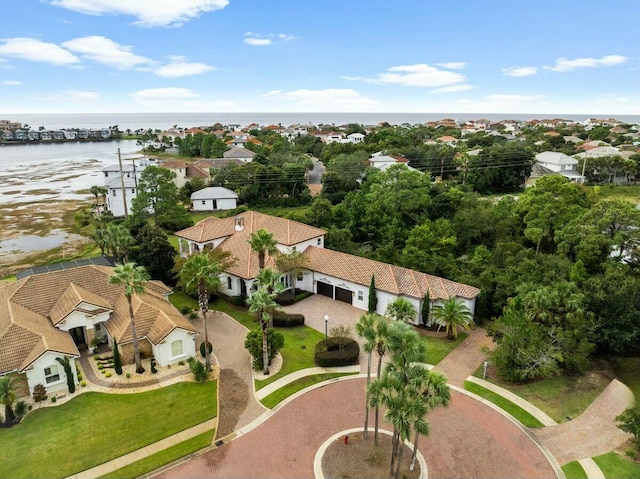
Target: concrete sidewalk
[
  {"x": 146, "y": 451},
  {"x": 289, "y": 378}
]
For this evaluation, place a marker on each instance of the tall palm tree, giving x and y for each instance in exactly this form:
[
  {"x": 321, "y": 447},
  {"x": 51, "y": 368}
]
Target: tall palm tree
[
  {"x": 8, "y": 386},
  {"x": 95, "y": 191},
  {"x": 118, "y": 241},
  {"x": 381, "y": 341},
  {"x": 401, "y": 310},
  {"x": 262, "y": 242},
  {"x": 270, "y": 280},
  {"x": 202, "y": 272},
  {"x": 263, "y": 304},
  {"x": 452, "y": 314},
  {"x": 133, "y": 278},
  {"x": 365, "y": 328}
]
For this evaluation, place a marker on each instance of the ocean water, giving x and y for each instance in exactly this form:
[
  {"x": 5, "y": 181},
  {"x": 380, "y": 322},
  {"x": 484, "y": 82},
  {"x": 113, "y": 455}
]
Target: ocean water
[{"x": 163, "y": 121}]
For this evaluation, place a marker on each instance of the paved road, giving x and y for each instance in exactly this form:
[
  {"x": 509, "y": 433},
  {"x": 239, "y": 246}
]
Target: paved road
[
  {"x": 315, "y": 175},
  {"x": 467, "y": 440}
]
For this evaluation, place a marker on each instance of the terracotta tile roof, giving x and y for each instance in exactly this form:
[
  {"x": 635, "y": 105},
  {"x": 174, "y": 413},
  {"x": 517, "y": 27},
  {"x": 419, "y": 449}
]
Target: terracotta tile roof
[
  {"x": 29, "y": 308},
  {"x": 389, "y": 278},
  {"x": 285, "y": 232},
  {"x": 173, "y": 164}
]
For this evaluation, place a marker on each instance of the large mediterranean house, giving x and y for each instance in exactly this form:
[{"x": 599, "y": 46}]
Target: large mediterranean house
[
  {"x": 55, "y": 315},
  {"x": 339, "y": 276}
]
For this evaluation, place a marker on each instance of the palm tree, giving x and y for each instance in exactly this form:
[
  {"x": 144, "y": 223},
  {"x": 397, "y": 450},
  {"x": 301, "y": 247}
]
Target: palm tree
[
  {"x": 95, "y": 191},
  {"x": 118, "y": 241},
  {"x": 365, "y": 328},
  {"x": 451, "y": 315},
  {"x": 133, "y": 278},
  {"x": 270, "y": 280},
  {"x": 202, "y": 271},
  {"x": 401, "y": 310},
  {"x": 263, "y": 304},
  {"x": 381, "y": 341},
  {"x": 262, "y": 242},
  {"x": 292, "y": 263},
  {"x": 8, "y": 386}
]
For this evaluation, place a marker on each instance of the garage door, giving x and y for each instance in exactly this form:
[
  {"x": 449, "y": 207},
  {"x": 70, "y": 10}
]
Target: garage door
[
  {"x": 325, "y": 289},
  {"x": 344, "y": 295}
]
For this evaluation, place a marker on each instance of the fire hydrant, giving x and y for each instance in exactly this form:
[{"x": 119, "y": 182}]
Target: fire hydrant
[{"x": 346, "y": 439}]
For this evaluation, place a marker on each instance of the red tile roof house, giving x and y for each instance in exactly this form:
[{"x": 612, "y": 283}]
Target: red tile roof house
[
  {"x": 55, "y": 315},
  {"x": 340, "y": 276}
]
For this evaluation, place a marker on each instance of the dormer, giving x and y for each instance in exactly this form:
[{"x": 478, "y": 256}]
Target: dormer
[{"x": 239, "y": 226}]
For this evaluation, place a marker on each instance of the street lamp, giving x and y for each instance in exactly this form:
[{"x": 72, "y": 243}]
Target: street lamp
[{"x": 326, "y": 324}]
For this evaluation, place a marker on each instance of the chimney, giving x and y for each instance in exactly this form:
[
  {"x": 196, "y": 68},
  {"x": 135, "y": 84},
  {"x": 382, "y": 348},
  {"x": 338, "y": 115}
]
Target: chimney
[{"x": 239, "y": 223}]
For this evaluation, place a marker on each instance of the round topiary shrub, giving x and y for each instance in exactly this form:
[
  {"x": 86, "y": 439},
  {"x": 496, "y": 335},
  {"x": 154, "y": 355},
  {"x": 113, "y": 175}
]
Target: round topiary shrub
[
  {"x": 336, "y": 352},
  {"x": 209, "y": 347}
]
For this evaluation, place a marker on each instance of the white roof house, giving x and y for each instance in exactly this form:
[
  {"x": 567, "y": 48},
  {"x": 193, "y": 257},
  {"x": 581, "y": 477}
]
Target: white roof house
[
  {"x": 560, "y": 163},
  {"x": 214, "y": 198},
  {"x": 238, "y": 153}
]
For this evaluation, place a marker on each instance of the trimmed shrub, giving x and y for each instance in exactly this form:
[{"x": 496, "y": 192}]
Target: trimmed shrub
[
  {"x": 107, "y": 374},
  {"x": 39, "y": 393},
  {"x": 185, "y": 310},
  {"x": 198, "y": 370},
  {"x": 54, "y": 398},
  {"x": 286, "y": 299},
  {"x": 239, "y": 300},
  {"x": 253, "y": 342},
  {"x": 20, "y": 408},
  {"x": 128, "y": 375},
  {"x": 193, "y": 315},
  {"x": 336, "y": 352},
  {"x": 83, "y": 384},
  {"x": 287, "y": 320},
  {"x": 209, "y": 347}
]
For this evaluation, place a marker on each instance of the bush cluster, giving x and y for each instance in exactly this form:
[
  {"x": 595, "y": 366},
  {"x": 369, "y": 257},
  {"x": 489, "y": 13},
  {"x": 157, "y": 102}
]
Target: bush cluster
[
  {"x": 336, "y": 352},
  {"x": 39, "y": 393},
  {"x": 286, "y": 320}
]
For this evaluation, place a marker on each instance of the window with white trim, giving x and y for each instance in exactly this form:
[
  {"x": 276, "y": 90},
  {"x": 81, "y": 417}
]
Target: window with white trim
[
  {"x": 319, "y": 241},
  {"x": 51, "y": 374},
  {"x": 360, "y": 295},
  {"x": 176, "y": 348},
  {"x": 299, "y": 276}
]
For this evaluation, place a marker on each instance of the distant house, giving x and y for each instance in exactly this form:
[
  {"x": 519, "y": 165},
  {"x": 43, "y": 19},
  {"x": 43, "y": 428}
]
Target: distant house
[
  {"x": 115, "y": 179},
  {"x": 560, "y": 163},
  {"x": 355, "y": 138},
  {"x": 538, "y": 171},
  {"x": 214, "y": 198},
  {"x": 448, "y": 140},
  {"x": 241, "y": 154},
  {"x": 73, "y": 307}
]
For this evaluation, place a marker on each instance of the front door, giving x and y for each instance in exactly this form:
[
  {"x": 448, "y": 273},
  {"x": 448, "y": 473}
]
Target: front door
[{"x": 78, "y": 336}]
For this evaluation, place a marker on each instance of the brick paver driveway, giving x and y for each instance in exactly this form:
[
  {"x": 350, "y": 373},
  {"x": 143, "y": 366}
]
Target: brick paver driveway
[{"x": 467, "y": 440}]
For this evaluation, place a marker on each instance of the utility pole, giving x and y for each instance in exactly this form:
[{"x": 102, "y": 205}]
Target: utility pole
[{"x": 124, "y": 190}]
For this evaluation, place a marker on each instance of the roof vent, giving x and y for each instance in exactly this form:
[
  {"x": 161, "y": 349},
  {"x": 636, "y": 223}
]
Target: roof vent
[{"x": 239, "y": 223}]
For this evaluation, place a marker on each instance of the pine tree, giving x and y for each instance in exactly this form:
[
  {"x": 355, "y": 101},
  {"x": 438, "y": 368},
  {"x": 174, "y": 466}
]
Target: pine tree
[{"x": 117, "y": 360}]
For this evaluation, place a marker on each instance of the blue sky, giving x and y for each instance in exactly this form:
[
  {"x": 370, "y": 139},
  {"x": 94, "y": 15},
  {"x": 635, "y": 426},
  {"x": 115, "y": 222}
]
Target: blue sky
[{"x": 466, "y": 56}]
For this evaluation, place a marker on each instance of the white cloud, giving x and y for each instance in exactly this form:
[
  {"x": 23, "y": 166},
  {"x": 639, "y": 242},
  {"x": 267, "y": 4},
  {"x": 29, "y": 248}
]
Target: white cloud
[
  {"x": 452, "y": 88},
  {"x": 453, "y": 65},
  {"x": 155, "y": 94},
  {"x": 179, "y": 67},
  {"x": 519, "y": 71},
  {"x": 150, "y": 13},
  {"x": 12, "y": 82},
  {"x": 566, "y": 65},
  {"x": 107, "y": 52},
  {"x": 419, "y": 75},
  {"x": 259, "y": 42},
  {"x": 333, "y": 98},
  {"x": 37, "y": 51}
]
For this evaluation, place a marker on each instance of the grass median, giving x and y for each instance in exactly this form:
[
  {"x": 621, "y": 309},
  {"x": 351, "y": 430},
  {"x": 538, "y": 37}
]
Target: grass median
[{"x": 276, "y": 397}]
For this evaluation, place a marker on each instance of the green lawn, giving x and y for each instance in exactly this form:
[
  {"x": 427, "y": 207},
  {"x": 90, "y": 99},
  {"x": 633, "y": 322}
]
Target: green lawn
[
  {"x": 561, "y": 396},
  {"x": 297, "y": 353},
  {"x": 573, "y": 470},
  {"x": 516, "y": 411},
  {"x": 182, "y": 300},
  {"x": 161, "y": 458},
  {"x": 626, "y": 192},
  {"x": 627, "y": 372},
  {"x": 616, "y": 467},
  {"x": 100, "y": 427},
  {"x": 283, "y": 393},
  {"x": 439, "y": 347}
]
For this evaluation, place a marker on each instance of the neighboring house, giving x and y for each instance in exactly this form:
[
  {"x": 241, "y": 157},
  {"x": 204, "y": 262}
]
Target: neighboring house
[
  {"x": 179, "y": 168},
  {"x": 57, "y": 314},
  {"x": 622, "y": 175},
  {"x": 538, "y": 171},
  {"x": 33, "y": 135},
  {"x": 114, "y": 180},
  {"x": 447, "y": 140},
  {"x": 560, "y": 163},
  {"x": 241, "y": 154},
  {"x": 383, "y": 162},
  {"x": 214, "y": 198},
  {"x": 355, "y": 138},
  {"x": 340, "y": 276}
]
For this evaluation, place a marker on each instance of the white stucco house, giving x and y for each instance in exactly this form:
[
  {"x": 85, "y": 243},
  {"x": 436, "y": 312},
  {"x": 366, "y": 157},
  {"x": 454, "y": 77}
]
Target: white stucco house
[
  {"x": 214, "y": 198},
  {"x": 560, "y": 163},
  {"x": 339, "y": 276},
  {"x": 122, "y": 184},
  {"x": 241, "y": 154},
  {"x": 58, "y": 314}
]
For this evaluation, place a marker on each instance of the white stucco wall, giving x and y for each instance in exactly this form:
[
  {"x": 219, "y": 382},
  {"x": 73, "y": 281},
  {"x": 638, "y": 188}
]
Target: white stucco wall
[
  {"x": 222, "y": 204},
  {"x": 163, "y": 352},
  {"x": 79, "y": 319},
  {"x": 35, "y": 374},
  {"x": 115, "y": 202},
  {"x": 300, "y": 247}
]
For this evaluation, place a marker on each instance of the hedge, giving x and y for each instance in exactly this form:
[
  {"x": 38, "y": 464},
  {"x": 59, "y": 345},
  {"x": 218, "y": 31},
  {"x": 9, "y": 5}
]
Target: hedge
[
  {"x": 336, "y": 352},
  {"x": 286, "y": 320}
]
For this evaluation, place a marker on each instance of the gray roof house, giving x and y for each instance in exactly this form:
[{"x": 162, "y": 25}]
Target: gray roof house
[{"x": 214, "y": 198}]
